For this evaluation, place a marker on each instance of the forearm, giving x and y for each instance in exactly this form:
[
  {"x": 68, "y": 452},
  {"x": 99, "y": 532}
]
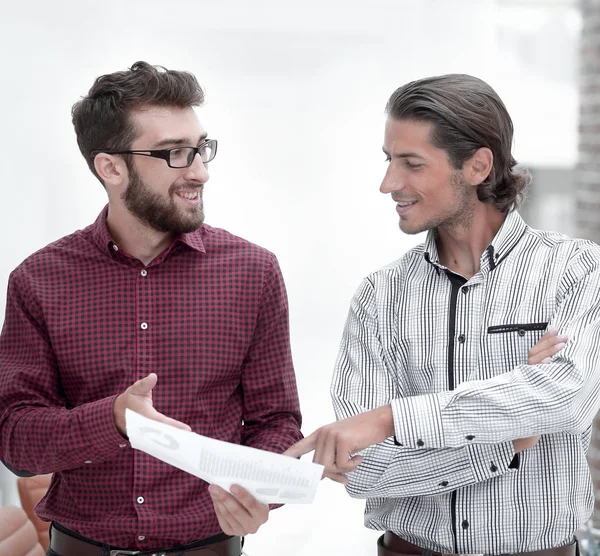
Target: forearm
[
  {"x": 274, "y": 434},
  {"x": 391, "y": 471},
  {"x": 49, "y": 440}
]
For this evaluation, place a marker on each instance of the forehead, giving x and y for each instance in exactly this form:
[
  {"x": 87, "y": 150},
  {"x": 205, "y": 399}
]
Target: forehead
[
  {"x": 407, "y": 134},
  {"x": 157, "y": 123}
]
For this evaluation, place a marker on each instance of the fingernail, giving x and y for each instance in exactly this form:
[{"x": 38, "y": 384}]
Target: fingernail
[
  {"x": 547, "y": 360},
  {"x": 213, "y": 491},
  {"x": 236, "y": 490},
  {"x": 560, "y": 346},
  {"x": 563, "y": 338}
]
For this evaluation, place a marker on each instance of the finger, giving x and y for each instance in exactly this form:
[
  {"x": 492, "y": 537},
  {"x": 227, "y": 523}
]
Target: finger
[
  {"x": 233, "y": 511},
  {"x": 551, "y": 347},
  {"x": 157, "y": 416},
  {"x": 547, "y": 339},
  {"x": 546, "y": 355},
  {"x": 336, "y": 477},
  {"x": 144, "y": 386},
  {"x": 348, "y": 465},
  {"x": 226, "y": 527},
  {"x": 303, "y": 446},
  {"x": 325, "y": 449},
  {"x": 258, "y": 510}
]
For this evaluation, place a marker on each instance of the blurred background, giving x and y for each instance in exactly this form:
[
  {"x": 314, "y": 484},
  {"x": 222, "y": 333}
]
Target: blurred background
[{"x": 295, "y": 96}]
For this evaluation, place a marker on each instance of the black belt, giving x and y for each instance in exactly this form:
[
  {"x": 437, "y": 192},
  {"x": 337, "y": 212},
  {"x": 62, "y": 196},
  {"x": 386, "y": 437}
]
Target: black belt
[
  {"x": 65, "y": 544},
  {"x": 391, "y": 544}
]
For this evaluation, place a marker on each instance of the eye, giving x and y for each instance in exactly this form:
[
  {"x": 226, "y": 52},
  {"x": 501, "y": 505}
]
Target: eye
[
  {"x": 388, "y": 159},
  {"x": 412, "y": 165}
]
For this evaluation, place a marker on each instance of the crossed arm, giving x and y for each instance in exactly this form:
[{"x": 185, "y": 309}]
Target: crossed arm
[{"x": 336, "y": 447}]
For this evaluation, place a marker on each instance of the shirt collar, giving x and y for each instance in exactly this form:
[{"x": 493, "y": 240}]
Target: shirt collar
[
  {"x": 504, "y": 241},
  {"x": 106, "y": 243}
]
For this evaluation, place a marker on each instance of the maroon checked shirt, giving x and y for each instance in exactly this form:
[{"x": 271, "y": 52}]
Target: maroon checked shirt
[{"x": 84, "y": 320}]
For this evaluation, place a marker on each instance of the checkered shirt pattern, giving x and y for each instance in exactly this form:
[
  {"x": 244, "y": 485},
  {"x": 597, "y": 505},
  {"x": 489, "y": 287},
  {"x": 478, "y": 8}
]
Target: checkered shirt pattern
[
  {"x": 84, "y": 320},
  {"x": 450, "y": 356}
]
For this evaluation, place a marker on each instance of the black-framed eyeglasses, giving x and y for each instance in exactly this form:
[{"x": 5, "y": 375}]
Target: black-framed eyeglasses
[{"x": 176, "y": 157}]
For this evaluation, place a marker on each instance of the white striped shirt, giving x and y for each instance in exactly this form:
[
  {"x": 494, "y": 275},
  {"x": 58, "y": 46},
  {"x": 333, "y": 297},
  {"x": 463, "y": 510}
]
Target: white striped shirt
[{"x": 450, "y": 356}]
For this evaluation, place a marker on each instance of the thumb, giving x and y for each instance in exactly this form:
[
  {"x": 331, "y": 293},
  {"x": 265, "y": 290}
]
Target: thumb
[{"x": 144, "y": 386}]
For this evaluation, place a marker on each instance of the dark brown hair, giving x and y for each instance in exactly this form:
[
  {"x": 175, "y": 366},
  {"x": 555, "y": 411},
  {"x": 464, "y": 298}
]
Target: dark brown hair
[
  {"x": 101, "y": 119},
  {"x": 466, "y": 114}
]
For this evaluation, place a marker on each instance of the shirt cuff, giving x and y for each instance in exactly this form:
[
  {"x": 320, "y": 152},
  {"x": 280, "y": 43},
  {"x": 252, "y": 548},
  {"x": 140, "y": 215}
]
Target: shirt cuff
[
  {"x": 491, "y": 460},
  {"x": 418, "y": 421},
  {"x": 101, "y": 428}
]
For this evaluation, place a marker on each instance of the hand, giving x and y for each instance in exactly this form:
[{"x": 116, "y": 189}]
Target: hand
[
  {"x": 138, "y": 398},
  {"x": 239, "y": 513},
  {"x": 524, "y": 443},
  {"x": 336, "y": 444},
  {"x": 548, "y": 346}
]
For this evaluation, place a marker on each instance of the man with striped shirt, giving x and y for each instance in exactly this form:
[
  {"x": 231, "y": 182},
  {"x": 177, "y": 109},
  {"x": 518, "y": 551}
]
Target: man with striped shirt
[{"x": 466, "y": 446}]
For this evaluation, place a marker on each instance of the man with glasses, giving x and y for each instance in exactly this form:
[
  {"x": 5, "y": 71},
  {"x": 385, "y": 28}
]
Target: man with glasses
[{"x": 148, "y": 309}]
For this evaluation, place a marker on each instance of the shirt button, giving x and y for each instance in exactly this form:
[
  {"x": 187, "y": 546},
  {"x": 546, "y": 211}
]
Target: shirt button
[
  {"x": 493, "y": 468},
  {"x": 469, "y": 437},
  {"x": 144, "y": 272},
  {"x": 122, "y": 445},
  {"x": 89, "y": 461},
  {"x": 521, "y": 332},
  {"x": 444, "y": 484},
  {"x": 465, "y": 524},
  {"x": 144, "y": 325},
  {"x": 141, "y": 538},
  {"x": 420, "y": 442},
  {"x": 462, "y": 338},
  {"x": 465, "y": 289},
  {"x": 140, "y": 499},
  {"x": 115, "y": 247}
]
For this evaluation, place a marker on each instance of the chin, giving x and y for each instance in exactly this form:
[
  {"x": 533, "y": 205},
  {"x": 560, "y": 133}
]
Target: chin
[{"x": 408, "y": 229}]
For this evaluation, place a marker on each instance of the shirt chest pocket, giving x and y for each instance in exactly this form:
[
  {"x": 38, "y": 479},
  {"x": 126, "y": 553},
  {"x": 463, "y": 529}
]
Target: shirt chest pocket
[{"x": 506, "y": 346}]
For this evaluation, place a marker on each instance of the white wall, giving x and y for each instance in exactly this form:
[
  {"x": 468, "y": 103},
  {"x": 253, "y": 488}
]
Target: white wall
[{"x": 295, "y": 95}]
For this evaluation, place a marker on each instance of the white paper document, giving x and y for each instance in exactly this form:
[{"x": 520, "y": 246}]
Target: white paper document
[{"x": 270, "y": 478}]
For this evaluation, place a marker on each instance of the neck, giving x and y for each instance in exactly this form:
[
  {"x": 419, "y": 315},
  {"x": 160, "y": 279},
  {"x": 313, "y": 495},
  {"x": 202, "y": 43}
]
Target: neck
[
  {"x": 134, "y": 236},
  {"x": 460, "y": 246}
]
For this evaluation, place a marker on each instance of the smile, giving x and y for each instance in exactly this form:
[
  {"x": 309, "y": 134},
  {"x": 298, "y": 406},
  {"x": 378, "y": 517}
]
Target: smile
[
  {"x": 402, "y": 207},
  {"x": 189, "y": 195}
]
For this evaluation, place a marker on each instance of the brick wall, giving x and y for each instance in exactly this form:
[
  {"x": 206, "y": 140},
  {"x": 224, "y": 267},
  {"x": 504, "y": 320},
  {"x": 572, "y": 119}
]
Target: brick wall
[{"x": 587, "y": 176}]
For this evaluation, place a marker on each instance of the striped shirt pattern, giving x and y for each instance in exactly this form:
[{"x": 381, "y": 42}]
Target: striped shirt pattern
[{"x": 450, "y": 356}]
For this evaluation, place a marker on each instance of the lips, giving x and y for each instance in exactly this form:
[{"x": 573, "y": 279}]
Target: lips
[
  {"x": 402, "y": 207},
  {"x": 188, "y": 194}
]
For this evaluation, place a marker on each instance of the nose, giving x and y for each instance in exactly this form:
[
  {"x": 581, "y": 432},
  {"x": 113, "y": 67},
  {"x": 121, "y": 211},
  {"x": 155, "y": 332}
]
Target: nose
[
  {"x": 392, "y": 181},
  {"x": 197, "y": 171}
]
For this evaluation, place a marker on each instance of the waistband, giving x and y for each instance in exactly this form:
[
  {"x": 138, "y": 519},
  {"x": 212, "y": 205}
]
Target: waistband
[
  {"x": 66, "y": 544},
  {"x": 390, "y": 544}
]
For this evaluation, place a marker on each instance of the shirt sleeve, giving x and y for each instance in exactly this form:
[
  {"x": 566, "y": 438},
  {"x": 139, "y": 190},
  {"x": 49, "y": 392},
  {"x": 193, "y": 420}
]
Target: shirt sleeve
[
  {"x": 271, "y": 415},
  {"x": 560, "y": 396},
  {"x": 363, "y": 382},
  {"x": 38, "y": 432}
]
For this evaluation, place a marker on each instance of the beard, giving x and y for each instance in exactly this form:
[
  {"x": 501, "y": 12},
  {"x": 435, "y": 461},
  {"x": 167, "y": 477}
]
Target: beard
[
  {"x": 459, "y": 215},
  {"x": 162, "y": 214}
]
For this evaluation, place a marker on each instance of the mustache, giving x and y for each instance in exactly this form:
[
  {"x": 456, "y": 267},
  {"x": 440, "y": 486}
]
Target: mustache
[
  {"x": 399, "y": 199},
  {"x": 188, "y": 185}
]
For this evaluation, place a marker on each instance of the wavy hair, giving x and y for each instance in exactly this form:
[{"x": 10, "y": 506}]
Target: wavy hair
[
  {"x": 102, "y": 118},
  {"x": 466, "y": 114}
]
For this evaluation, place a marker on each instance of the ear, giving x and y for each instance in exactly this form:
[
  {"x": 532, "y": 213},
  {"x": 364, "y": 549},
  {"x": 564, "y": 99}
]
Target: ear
[
  {"x": 111, "y": 169},
  {"x": 477, "y": 168}
]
